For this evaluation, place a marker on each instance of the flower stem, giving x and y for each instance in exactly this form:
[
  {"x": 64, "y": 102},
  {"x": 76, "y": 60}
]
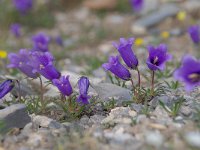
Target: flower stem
[
  {"x": 132, "y": 83},
  {"x": 70, "y": 103},
  {"x": 19, "y": 92},
  {"x": 41, "y": 93},
  {"x": 134, "y": 89},
  {"x": 139, "y": 79},
  {"x": 152, "y": 83}
]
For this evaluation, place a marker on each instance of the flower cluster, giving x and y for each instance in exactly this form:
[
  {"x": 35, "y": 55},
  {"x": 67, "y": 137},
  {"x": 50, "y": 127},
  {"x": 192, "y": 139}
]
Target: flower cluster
[
  {"x": 23, "y": 6},
  {"x": 126, "y": 52},
  {"x": 158, "y": 56},
  {"x": 39, "y": 61},
  {"x": 194, "y": 32},
  {"x": 156, "y": 60}
]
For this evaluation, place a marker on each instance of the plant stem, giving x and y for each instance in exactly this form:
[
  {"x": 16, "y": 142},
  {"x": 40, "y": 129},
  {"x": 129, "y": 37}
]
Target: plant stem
[
  {"x": 62, "y": 98},
  {"x": 19, "y": 93},
  {"x": 132, "y": 85},
  {"x": 139, "y": 80},
  {"x": 152, "y": 83},
  {"x": 41, "y": 93},
  {"x": 134, "y": 89},
  {"x": 70, "y": 103}
]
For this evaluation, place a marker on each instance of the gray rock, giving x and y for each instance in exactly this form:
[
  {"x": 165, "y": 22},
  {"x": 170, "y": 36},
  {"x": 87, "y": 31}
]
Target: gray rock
[
  {"x": 41, "y": 140},
  {"x": 119, "y": 137},
  {"x": 45, "y": 122},
  {"x": 99, "y": 73},
  {"x": 137, "y": 107},
  {"x": 141, "y": 118},
  {"x": 84, "y": 121},
  {"x": 23, "y": 89},
  {"x": 186, "y": 111},
  {"x": 155, "y": 139},
  {"x": 52, "y": 92},
  {"x": 193, "y": 138},
  {"x": 107, "y": 91},
  {"x": 149, "y": 6},
  {"x": 162, "y": 116},
  {"x": 15, "y": 116},
  {"x": 96, "y": 119},
  {"x": 87, "y": 122},
  {"x": 74, "y": 77},
  {"x": 123, "y": 112},
  {"x": 168, "y": 101},
  {"x": 141, "y": 26},
  {"x": 119, "y": 115}
]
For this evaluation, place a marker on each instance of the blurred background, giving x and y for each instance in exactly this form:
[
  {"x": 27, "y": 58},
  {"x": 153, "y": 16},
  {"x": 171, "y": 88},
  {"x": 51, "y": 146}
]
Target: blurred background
[{"x": 80, "y": 29}]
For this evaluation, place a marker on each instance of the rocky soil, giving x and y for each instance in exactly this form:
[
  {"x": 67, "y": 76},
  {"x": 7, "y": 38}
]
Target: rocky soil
[{"x": 88, "y": 33}]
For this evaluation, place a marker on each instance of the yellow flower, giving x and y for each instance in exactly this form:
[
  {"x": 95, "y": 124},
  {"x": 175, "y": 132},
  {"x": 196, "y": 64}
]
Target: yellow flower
[
  {"x": 165, "y": 34},
  {"x": 181, "y": 15},
  {"x": 3, "y": 54},
  {"x": 139, "y": 41}
]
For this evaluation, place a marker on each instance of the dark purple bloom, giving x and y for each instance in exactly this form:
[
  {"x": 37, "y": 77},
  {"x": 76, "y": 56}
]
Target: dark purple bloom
[
  {"x": 23, "y": 6},
  {"x": 83, "y": 85},
  {"x": 117, "y": 68},
  {"x": 189, "y": 72},
  {"x": 126, "y": 52},
  {"x": 43, "y": 64},
  {"x": 158, "y": 56},
  {"x": 15, "y": 29},
  {"x": 63, "y": 85},
  {"x": 137, "y": 4},
  {"x": 6, "y": 87},
  {"x": 41, "y": 42},
  {"x": 194, "y": 32},
  {"x": 59, "y": 41},
  {"x": 21, "y": 61}
]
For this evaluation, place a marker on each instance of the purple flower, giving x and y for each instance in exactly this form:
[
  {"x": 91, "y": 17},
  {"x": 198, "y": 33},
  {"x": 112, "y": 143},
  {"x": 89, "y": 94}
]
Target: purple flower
[
  {"x": 43, "y": 64},
  {"x": 15, "y": 29},
  {"x": 41, "y": 42},
  {"x": 23, "y": 6},
  {"x": 158, "y": 56},
  {"x": 83, "y": 85},
  {"x": 194, "y": 32},
  {"x": 6, "y": 87},
  {"x": 189, "y": 72},
  {"x": 137, "y": 4},
  {"x": 63, "y": 85},
  {"x": 117, "y": 68},
  {"x": 21, "y": 61},
  {"x": 59, "y": 40},
  {"x": 126, "y": 52}
]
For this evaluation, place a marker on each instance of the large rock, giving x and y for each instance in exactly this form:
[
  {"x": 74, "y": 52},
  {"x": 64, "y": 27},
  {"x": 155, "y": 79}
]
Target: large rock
[
  {"x": 107, "y": 90},
  {"x": 15, "y": 116},
  {"x": 141, "y": 26},
  {"x": 149, "y": 6},
  {"x": 119, "y": 115}
]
